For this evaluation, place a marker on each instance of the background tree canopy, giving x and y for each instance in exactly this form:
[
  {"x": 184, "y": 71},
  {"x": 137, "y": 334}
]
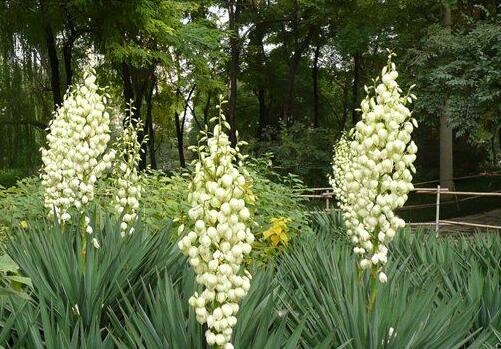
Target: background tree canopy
[{"x": 293, "y": 72}]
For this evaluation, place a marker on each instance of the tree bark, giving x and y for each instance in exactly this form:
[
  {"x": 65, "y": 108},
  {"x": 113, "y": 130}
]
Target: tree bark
[
  {"x": 149, "y": 126},
  {"x": 135, "y": 82},
  {"x": 293, "y": 69},
  {"x": 263, "y": 113},
  {"x": 207, "y": 108},
  {"x": 256, "y": 62},
  {"x": 345, "y": 103},
  {"x": 315, "y": 86},
  {"x": 493, "y": 150},
  {"x": 67, "y": 57},
  {"x": 180, "y": 141},
  {"x": 234, "y": 17},
  {"x": 50, "y": 42},
  {"x": 446, "y": 136},
  {"x": 127, "y": 83},
  {"x": 357, "y": 57},
  {"x": 68, "y": 47}
]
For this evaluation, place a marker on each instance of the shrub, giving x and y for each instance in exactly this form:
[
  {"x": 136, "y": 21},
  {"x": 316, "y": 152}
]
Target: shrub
[{"x": 165, "y": 198}]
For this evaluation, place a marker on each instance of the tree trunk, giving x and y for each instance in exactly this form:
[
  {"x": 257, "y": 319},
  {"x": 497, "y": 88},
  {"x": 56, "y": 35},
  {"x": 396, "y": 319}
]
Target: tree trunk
[
  {"x": 493, "y": 149},
  {"x": 135, "y": 82},
  {"x": 207, "y": 108},
  {"x": 256, "y": 63},
  {"x": 291, "y": 80},
  {"x": 446, "y": 154},
  {"x": 180, "y": 141},
  {"x": 263, "y": 113},
  {"x": 127, "y": 83},
  {"x": 234, "y": 16},
  {"x": 315, "y": 86},
  {"x": 67, "y": 57},
  {"x": 446, "y": 137},
  {"x": 357, "y": 57},
  {"x": 50, "y": 42},
  {"x": 149, "y": 126},
  {"x": 345, "y": 103}
]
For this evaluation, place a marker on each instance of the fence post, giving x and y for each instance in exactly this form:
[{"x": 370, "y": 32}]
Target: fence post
[
  {"x": 437, "y": 212},
  {"x": 327, "y": 208}
]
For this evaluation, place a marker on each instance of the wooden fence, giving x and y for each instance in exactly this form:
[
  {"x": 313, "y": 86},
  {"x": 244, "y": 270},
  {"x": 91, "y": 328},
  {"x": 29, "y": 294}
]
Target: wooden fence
[{"x": 327, "y": 195}]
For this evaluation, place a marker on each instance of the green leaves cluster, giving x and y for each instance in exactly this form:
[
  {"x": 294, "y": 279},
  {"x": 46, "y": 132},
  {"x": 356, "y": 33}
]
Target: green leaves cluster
[
  {"x": 458, "y": 73},
  {"x": 132, "y": 293},
  {"x": 164, "y": 199}
]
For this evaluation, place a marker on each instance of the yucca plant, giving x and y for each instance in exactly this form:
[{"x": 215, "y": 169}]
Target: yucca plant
[
  {"x": 132, "y": 293},
  {"x": 321, "y": 287},
  {"x": 443, "y": 293},
  {"x": 164, "y": 319},
  {"x": 73, "y": 291}
]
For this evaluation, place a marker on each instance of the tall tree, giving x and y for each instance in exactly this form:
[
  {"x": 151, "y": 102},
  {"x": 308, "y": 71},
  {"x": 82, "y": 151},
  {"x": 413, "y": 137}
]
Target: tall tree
[
  {"x": 316, "y": 94},
  {"x": 446, "y": 136},
  {"x": 234, "y": 8},
  {"x": 50, "y": 44}
]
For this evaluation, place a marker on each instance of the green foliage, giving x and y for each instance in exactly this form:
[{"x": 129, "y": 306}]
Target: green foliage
[
  {"x": 20, "y": 204},
  {"x": 164, "y": 199},
  {"x": 11, "y": 282},
  {"x": 9, "y": 177},
  {"x": 300, "y": 150},
  {"x": 449, "y": 286},
  {"x": 164, "y": 320},
  {"x": 75, "y": 284},
  {"x": 458, "y": 73},
  {"x": 132, "y": 293}
]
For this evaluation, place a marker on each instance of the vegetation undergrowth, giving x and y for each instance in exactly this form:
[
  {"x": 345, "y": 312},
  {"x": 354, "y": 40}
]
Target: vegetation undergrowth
[
  {"x": 132, "y": 293},
  {"x": 165, "y": 199}
]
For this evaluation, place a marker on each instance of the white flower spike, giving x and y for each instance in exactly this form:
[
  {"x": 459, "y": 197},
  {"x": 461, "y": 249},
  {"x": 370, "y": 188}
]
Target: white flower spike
[
  {"x": 219, "y": 236},
  {"x": 76, "y": 156},
  {"x": 373, "y": 171},
  {"x": 128, "y": 186}
]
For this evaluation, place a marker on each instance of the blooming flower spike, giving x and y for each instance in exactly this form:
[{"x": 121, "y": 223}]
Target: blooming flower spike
[
  {"x": 125, "y": 174},
  {"x": 219, "y": 236},
  {"x": 76, "y": 156},
  {"x": 373, "y": 171}
]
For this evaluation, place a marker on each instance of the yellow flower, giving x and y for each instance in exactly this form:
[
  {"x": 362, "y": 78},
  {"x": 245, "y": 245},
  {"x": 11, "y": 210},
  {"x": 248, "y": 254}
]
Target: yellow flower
[
  {"x": 23, "y": 224},
  {"x": 277, "y": 233},
  {"x": 249, "y": 195}
]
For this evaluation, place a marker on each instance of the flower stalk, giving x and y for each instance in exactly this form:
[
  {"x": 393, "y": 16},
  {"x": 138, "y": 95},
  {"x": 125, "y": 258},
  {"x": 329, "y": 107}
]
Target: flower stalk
[
  {"x": 76, "y": 155},
  {"x": 219, "y": 236},
  {"x": 372, "y": 172}
]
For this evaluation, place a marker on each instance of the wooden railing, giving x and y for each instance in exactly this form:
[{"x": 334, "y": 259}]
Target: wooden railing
[{"x": 328, "y": 196}]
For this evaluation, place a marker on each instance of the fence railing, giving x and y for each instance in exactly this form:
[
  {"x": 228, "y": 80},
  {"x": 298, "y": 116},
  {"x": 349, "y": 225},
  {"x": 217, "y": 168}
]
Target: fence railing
[{"x": 327, "y": 195}]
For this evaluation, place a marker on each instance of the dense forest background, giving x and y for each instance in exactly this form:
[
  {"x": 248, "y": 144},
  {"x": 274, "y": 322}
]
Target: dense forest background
[{"x": 293, "y": 72}]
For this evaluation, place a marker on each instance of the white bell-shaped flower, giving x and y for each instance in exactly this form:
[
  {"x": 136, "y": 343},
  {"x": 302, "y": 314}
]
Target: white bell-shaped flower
[
  {"x": 372, "y": 170},
  {"x": 127, "y": 179},
  {"x": 218, "y": 236},
  {"x": 76, "y": 154}
]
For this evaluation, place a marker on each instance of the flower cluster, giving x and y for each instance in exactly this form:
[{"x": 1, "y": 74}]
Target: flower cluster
[
  {"x": 220, "y": 234},
  {"x": 76, "y": 155},
  {"x": 340, "y": 166},
  {"x": 377, "y": 170},
  {"x": 125, "y": 174}
]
